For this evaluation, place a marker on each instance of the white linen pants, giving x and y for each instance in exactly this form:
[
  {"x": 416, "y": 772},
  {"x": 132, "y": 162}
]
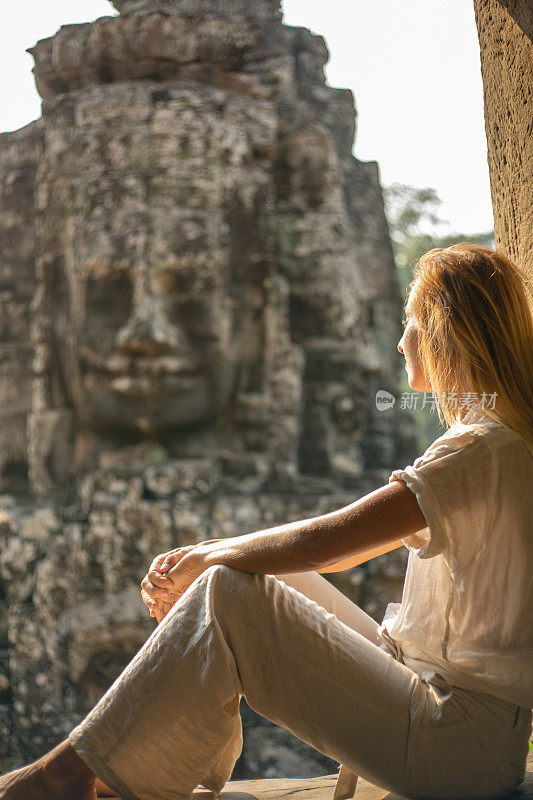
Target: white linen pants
[{"x": 306, "y": 658}]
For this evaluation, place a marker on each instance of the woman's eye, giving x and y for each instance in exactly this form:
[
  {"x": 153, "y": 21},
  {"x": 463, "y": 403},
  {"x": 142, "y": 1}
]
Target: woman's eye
[{"x": 404, "y": 322}]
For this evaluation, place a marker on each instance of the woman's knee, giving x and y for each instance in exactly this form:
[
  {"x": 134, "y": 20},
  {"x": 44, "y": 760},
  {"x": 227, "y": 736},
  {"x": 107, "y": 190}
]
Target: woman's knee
[
  {"x": 223, "y": 572},
  {"x": 230, "y": 589},
  {"x": 224, "y": 579}
]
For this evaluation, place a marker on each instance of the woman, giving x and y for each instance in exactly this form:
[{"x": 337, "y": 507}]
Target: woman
[{"x": 436, "y": 701}]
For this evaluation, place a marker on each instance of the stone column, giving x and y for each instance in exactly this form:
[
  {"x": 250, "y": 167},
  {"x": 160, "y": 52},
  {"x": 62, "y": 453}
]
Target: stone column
[{"x": 505, "y": 37}]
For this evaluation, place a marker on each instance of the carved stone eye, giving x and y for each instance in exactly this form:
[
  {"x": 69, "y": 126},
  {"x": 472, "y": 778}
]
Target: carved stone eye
[
  {"x": 182, "y": 284},
  {"x": 108, "y": 304},
  {"x": 109, "y": 296},
  {"x": 198, "y": 319}
]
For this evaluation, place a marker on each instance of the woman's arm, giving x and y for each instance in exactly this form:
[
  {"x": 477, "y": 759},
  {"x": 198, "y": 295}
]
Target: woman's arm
[
  {"x": 354, "y": 561},
  {"x": 375, "y": 522},
  {"x": 379, "y": 519}
]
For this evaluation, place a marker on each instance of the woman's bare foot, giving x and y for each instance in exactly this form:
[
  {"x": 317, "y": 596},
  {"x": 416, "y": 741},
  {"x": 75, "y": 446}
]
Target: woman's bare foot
[
  {"x": 59, "y": 775},
  {"x": 102, "y": 790}
]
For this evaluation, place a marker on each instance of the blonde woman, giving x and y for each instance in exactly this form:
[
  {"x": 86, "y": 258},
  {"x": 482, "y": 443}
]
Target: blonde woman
[{"x": 435, "y": 702}]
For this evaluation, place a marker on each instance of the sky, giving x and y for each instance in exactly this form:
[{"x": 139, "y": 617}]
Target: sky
[{"x": 413, "y": 67}]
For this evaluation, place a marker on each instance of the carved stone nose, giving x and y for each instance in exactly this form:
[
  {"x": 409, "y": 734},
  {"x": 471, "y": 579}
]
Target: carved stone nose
[{"x": 144, "y": 335}]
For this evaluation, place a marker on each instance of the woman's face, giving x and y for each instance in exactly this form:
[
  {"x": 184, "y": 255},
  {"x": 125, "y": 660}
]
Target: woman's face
[{"x": 408, "y": 346}]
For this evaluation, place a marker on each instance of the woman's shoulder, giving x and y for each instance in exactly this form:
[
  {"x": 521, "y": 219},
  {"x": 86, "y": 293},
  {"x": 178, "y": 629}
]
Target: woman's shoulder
[
  {"x": 494, "y": 433},
  {"x": 478, "y": 432}
]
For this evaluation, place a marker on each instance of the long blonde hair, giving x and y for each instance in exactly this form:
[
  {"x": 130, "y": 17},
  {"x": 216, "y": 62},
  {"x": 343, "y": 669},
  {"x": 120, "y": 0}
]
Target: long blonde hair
[{"x": 473, "y": 308}]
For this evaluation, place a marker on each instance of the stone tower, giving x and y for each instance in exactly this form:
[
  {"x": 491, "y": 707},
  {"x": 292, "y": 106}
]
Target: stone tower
[{"x": 199, "y": 302}]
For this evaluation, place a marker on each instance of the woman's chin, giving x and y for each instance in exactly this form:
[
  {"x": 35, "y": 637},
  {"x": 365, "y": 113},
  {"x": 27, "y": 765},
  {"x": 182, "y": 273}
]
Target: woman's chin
[
  {"x": 416, "y": 383},
  {"x": 416, "y": 386}
]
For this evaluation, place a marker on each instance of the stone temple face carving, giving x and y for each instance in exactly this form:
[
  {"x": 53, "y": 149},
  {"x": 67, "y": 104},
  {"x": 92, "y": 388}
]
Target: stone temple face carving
[
  {"x": 156, "y": 324},
  {"x": 198, "y": 303},
  {"x": 152, "y": 308}
]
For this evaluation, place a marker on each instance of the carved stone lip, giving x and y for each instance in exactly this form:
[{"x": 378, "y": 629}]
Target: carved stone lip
[
  {"x": 136, "y": 384},
  {"x": 121, "y": 366},
  {"x": 154, "y": 371},
  {"x": 150, "y": 365}
]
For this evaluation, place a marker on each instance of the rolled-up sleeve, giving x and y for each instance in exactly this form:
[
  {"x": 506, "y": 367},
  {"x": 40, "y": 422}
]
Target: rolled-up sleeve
[{"x": 451, "y": 481}]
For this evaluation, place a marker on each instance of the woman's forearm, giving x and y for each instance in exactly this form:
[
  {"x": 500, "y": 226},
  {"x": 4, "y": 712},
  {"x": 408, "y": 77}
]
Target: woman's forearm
[
  {"x": 266, "y": 552},
  {"x": 340, "y": 539},
  {"x": 303, "y": 546},
  {"x": 329, "y": 543},
  {"x": 361, "y": 558},
  {"x": 282, "y": 549}
]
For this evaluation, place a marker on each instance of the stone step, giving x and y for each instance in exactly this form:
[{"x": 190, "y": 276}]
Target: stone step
[{"x": 322, "y": 788}]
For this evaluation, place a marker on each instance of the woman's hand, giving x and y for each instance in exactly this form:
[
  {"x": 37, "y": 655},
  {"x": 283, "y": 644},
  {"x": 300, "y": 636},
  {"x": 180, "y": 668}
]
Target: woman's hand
[
  {"x": 159, "y": 610},
  {"x": 160, "y": 591}
]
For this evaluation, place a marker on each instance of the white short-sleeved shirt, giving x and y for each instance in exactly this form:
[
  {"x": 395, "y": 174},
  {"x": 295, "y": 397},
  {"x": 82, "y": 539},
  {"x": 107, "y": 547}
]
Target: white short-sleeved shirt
[{"x": 467, "y": 605}]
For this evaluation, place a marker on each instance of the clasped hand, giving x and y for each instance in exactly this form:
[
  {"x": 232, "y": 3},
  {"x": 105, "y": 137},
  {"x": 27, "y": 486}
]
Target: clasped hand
[{"x": 170, "y": 575}]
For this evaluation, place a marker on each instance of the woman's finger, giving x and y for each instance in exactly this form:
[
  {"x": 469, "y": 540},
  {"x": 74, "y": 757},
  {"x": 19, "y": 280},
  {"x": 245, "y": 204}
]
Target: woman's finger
[
  {"x": 148, "y": 587},
  {"x": 179, "y": 574},
  {"x": 153, "y": 581},
  {"x": 162, "y": 610},
  {"x": 153, "y": 592},
  {"x": 155, "y": 578},
  {"x": 158, "y": 560},
  {"x": 159, "y": 609},
  {"x": 172, "y": 557},
  {"x": 169, "y": 562},
  {"x": 183, "y": 574},
  {"x": 147, "y": 600}
]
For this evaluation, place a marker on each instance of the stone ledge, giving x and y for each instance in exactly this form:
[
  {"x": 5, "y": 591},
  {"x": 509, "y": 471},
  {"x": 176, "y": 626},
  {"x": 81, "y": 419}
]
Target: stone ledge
[{"x": 322, "y": 789}]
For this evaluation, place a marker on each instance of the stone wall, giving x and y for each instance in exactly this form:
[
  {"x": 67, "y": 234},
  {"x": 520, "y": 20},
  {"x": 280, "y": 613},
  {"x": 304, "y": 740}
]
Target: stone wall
[
  {"x": 505, "y": 29},
  {"x": 19, "y": 153}
]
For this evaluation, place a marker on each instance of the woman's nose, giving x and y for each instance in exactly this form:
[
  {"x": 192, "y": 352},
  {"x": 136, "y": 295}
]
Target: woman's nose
[{"x": 400, "y": 348}]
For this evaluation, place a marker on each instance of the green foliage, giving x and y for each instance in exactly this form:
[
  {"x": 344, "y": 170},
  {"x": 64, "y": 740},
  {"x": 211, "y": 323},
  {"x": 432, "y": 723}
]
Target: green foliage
[{"x": 413, "y": 217}]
